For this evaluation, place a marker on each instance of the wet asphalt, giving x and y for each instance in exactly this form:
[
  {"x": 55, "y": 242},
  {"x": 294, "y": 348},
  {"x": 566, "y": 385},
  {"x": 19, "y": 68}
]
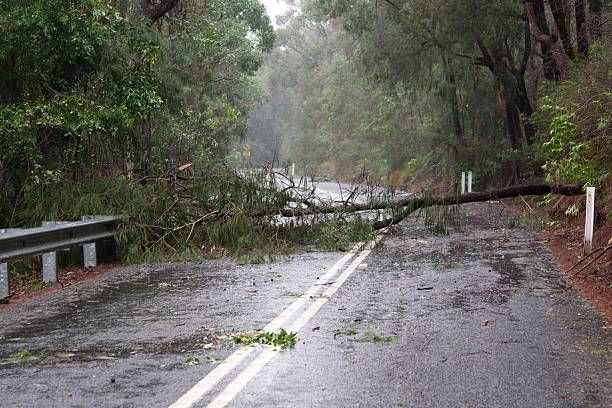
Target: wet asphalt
[{"x": 477, "y": 318}]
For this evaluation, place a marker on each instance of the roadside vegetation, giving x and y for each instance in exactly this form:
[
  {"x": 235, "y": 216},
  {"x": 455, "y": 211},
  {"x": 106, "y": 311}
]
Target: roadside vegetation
[{"x": 135, "y": 109}]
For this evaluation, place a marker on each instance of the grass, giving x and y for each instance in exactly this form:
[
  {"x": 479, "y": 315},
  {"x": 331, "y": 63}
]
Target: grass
[{"x": 282, "y": 338}]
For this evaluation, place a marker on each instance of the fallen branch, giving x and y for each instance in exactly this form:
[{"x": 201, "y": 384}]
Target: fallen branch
[{"x": 601, "y": 251}]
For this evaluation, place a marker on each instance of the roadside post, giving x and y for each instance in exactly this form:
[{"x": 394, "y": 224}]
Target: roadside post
[
  {"x": 463, "y": 182},
  {"x": 590, "y": 218},
  {"x": 292, "y": 171},
  {"x": 469, "y": 182}
]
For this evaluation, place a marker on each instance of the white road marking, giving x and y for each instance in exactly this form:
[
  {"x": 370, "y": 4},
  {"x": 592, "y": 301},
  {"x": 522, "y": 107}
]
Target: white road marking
[
  {"x": 247, "y": 374},
  {"x": 203, "y": 386}
]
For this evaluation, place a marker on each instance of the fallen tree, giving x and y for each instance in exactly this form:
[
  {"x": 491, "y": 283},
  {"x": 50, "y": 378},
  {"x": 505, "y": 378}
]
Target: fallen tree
[
  {"x": 517, "y": 191},
  {"x": 409, "y": 205}
]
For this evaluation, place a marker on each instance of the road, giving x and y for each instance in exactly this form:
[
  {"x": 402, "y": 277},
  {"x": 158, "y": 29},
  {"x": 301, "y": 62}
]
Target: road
[
  {"x": 476, "y": 318},
  {"x": 336, "y": 192}
]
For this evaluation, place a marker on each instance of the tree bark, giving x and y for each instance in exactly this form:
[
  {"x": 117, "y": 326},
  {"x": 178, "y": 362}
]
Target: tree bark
[
  {"x": 581, "y": 30},
  {"x": 453, "y": 101},
  {"x": 410, "y": 205},
  {"x": 534, "y": 189},
  {"x": 551, "y": 72},
  {"x": 595, "y": 8},
  {"x": 552, "y": 41},
  {"x": 559, "y": 10},
  {"x": 155, "y": 11}
]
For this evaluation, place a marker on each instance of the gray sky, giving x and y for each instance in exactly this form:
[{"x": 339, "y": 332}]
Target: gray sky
[{"x": 275, "y": 8}]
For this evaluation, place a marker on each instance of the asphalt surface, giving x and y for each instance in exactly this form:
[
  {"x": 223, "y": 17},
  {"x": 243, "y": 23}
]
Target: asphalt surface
[{"x": 477, "y": 318}]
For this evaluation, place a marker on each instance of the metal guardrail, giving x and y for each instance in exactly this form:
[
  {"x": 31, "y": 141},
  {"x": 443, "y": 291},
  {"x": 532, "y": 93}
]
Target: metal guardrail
[{"x": 53, "y": 236}]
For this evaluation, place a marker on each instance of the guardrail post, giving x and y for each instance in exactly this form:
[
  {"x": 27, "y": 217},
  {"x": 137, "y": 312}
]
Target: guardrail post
[
  {"x": 90, "y": 259},
  {"x": 4, "y": 278},
  {"x": 49, "y": 260},
  {"x": 4, "y": 281}
]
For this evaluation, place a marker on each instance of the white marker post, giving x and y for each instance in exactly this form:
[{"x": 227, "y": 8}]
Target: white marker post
[
  {"x": 463, "y": 182},
  {"x": 469, "y": 182},
  {"x": 590, "y": 218},
  {"x": 292, "y": 170}
]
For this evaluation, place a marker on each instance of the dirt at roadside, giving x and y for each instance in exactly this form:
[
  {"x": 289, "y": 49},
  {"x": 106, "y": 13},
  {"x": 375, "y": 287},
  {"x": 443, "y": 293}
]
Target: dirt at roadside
[{"x": 23, "y": 290}]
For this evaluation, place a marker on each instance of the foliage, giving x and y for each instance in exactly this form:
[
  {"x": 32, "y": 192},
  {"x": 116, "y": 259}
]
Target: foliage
[
  {"x": 92, "y": 89},
  {"x": 576, "y": 115}
]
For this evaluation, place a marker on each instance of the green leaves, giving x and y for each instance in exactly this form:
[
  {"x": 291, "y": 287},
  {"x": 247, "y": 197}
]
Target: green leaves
[{"x": 281, "y": 339}]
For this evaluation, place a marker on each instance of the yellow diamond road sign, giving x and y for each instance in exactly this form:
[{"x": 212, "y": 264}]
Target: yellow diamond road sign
[{"x": 246, "y": 150}]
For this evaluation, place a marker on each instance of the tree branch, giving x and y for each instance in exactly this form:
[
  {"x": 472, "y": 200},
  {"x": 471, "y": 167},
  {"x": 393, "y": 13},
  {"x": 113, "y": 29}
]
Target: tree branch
[{"x": 156, "y": 11}]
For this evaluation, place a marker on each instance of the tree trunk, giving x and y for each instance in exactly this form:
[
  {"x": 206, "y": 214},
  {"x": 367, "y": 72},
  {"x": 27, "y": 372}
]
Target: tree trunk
[
  {"x": 559, "y": 10},
  {"x": 581, "y": 30},
  {"x": 155, "y": 11},
  {"x": 551, "y": 72},
  {"x": 524, "y": 106},
  {"x": 595, "y": 7},
  {"x": 414, "y": 203},
  {"x": 453, "y": 101},
  {"x": 552, "y": 41},
  {"x": 513, "y": 124}
]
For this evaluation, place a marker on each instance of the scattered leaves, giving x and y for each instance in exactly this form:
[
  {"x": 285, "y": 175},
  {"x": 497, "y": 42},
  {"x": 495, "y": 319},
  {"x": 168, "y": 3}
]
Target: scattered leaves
[{"x": 281, "y": 339}]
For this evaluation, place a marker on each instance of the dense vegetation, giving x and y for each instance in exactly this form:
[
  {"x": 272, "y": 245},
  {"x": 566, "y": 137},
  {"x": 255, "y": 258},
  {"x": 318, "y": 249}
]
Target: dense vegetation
[
  {"x": 100, "y": 100},
  {"x": 407, "y": 90}
]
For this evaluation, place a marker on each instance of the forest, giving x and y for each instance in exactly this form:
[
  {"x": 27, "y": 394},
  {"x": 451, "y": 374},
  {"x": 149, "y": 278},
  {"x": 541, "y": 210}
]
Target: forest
[
  {"x": 413, "y": 92},
  {"x": 102, "y": 101}
]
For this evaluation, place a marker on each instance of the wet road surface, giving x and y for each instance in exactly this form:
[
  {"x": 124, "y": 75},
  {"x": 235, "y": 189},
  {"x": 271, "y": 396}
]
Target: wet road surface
[{"x": 477, "y": 318}]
